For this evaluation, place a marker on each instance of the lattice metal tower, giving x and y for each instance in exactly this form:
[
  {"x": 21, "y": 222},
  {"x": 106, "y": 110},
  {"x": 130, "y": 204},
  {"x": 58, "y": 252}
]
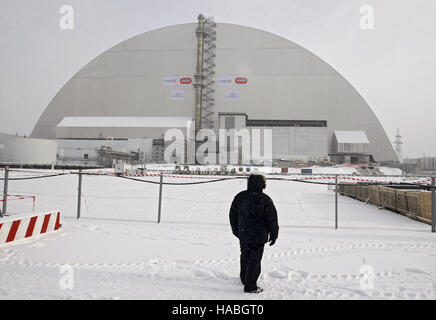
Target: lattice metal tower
[
  {"x": 208, "y": 105},
  {"x": 398, "y": 146}
]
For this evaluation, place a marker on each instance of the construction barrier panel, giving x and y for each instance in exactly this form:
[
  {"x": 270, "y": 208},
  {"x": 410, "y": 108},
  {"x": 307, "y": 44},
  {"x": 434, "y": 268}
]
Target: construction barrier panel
[
  {"x": 413, "y": 204},
  {"x": 425, "y": 205},
  {"x": 27, "y": 226}
]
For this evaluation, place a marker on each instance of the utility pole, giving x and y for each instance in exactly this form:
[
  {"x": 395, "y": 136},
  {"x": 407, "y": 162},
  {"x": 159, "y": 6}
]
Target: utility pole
[
  {"x": 398, "y": 146},
  {"x": 79, "y": 195},
  {"x": 160, "y": 199},
  {"x": 433, "y": 205},
  {"x": 5, "y": 192},
  {"x": 336, "y": 201},
  {"x": 198, "y": 84}
]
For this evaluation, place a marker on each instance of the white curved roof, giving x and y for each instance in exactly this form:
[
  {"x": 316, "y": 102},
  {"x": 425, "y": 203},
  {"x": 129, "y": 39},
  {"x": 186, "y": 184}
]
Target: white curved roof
[{"x": 285, "y": 81}]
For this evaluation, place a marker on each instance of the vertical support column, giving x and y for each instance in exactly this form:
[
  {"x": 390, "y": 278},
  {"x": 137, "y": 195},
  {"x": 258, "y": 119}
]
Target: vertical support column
[
  {"x": 160, "y": 199},
  {"x": 433, "y": 205},
  {"x": 79, "y": 195},
  {"x": 207, "y": 112},
  {"x": 198, "y": 85},
  {"x": 5, "y": 192},
  {"x": 336, "y": 201}
]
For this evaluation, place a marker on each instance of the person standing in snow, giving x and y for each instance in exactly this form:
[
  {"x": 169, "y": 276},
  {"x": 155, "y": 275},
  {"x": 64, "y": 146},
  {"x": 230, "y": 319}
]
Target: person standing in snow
[{"x": 253, "y": 218}]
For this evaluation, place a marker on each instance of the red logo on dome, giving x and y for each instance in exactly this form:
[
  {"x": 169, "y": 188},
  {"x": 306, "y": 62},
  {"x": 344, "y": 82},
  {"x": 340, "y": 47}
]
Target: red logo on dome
[
  {"x": 241, "y": 80},
  {"x": 185, "y": 81}
]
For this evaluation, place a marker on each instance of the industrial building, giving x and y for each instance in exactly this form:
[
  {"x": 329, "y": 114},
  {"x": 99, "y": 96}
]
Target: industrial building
[
  {"x": 214, "y": 75},
  {"x": 423, "y": 164}
]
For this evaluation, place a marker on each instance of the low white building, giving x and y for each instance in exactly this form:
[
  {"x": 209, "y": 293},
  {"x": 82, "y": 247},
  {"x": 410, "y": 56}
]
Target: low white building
[
  {"x": 19, "y": 150},
  {"x": 350, "y": 146}
]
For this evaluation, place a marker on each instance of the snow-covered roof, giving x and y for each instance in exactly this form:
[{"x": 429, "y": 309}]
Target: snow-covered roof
[
  {"x": 125, "y": 122},
  {"x": 351, "y": 137}
]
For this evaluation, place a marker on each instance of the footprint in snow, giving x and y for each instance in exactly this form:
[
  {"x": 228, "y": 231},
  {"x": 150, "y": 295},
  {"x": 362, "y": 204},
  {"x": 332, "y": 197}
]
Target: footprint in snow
[
  {"x": 202, "y": 274},
  {"x": 277, "y": 274},
  {"x": 37, "y": 245},
  {"x": 220, "y": 275},
  {"x": 303, "y": 274},
  {"x": 3, "y": 292},
  {"x": 413, "y": 270},
  {"x": 411, "y": 295},
  {"x": 198, "y": 244}
]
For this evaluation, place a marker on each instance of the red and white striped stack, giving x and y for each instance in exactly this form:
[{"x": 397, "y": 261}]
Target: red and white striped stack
[{"x": 28, "y": 226}]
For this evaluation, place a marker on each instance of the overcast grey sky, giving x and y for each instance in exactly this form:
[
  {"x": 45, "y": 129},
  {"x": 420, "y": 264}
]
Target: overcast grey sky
[{"x": 393, "y": 66}]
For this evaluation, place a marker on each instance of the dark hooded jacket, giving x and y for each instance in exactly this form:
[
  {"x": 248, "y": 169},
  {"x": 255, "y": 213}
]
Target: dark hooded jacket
[{"x": 253, "y": 216}]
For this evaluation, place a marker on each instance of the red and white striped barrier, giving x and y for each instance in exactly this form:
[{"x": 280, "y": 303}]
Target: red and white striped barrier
[{"x": 28, "y": 226}]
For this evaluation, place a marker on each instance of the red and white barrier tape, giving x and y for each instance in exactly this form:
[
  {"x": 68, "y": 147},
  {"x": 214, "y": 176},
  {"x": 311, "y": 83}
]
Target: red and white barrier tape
[
  {"x": 140, "y": 175},
  {"x": 18, "y": 197},
  {"x": 209, "y": 177},
  {"x": 172, "y": 176},
  {"x": 298, "y": 178},
  {"x": 303, "y": 178},
  {"x": 44, "y": 172}
]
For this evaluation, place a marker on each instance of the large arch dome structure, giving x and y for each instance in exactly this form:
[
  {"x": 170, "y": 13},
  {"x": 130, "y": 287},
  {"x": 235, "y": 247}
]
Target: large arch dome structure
[{"x": 280, "y": 81}]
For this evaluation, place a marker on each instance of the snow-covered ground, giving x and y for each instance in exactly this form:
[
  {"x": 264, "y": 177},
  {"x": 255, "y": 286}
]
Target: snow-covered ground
[{"x": 118, "y": 251}]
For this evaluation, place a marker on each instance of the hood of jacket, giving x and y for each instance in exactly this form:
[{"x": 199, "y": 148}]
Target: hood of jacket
[{"x": 256, "y": 182}]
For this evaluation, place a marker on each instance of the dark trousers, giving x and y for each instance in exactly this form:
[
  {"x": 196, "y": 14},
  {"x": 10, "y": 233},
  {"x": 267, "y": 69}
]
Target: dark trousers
[{"x": 251, "y": 257}]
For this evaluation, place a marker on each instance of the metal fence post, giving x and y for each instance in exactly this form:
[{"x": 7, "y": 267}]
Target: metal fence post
[
  {"x": 79, "y": 195},
  {"x": 336, "y": 201},
  {"x": 433, "y": 205},
  {"x": 5, "y": 192},
  {"x": 160, "y": 198}
]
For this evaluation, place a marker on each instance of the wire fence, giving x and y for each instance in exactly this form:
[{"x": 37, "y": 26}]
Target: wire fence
[{"x": 334, "y": 183}]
